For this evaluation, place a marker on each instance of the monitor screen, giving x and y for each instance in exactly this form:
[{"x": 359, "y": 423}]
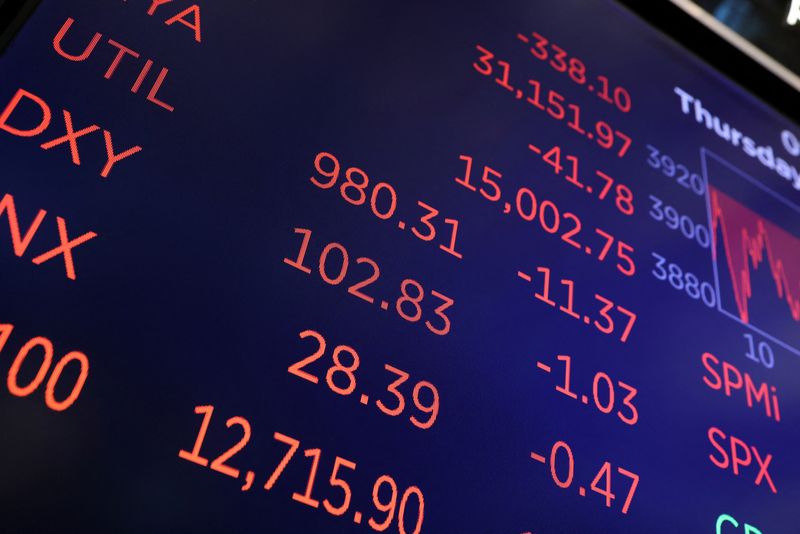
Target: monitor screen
[{"x": 445, "y": 267}]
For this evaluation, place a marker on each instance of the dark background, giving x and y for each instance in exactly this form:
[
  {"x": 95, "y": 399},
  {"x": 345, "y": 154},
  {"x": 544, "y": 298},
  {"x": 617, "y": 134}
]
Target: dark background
[
  {"x": 184, "y": 300},
  {"x": 763, "y": 23}
]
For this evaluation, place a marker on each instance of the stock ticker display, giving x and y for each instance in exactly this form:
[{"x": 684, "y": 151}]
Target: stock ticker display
[{"x": 524, "y": 267}]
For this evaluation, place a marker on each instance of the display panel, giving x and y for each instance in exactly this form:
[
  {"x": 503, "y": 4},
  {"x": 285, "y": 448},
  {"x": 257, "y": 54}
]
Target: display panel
[{"x": 522, "y": 267}]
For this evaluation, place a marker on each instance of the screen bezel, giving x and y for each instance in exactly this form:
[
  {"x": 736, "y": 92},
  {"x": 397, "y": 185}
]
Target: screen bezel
[{"x": 704, "y": 43}]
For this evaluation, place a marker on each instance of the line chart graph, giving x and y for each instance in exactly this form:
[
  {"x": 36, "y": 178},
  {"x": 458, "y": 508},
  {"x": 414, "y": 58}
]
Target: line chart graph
[
  {"x": 756, "y": 260},
  {"x": 751, "y": 242}
]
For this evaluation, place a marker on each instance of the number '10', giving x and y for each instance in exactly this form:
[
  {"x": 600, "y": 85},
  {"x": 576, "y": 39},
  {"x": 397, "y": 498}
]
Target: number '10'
[{"x": 765, "y": 355}]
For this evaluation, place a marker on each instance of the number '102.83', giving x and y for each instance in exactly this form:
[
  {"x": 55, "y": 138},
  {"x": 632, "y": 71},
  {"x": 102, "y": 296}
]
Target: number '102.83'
[{"x": 412, "y": 294}]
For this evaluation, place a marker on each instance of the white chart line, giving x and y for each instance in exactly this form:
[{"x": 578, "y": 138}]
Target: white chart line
[{"x": 704, "y": 166}]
